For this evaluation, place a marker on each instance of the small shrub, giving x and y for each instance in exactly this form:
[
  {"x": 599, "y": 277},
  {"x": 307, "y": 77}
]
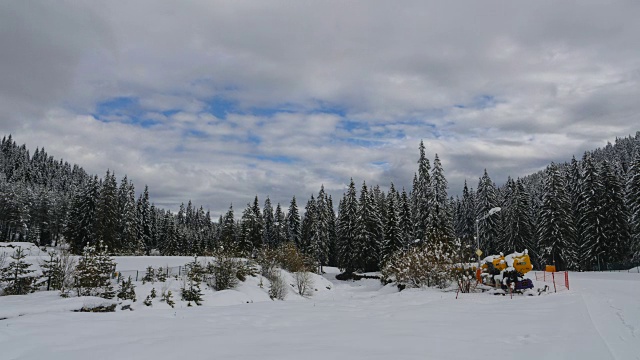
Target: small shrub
[
  {"x": 168, "y": 298},
  {"x": 161, "y": 274},
  {"x": 192, "y": 293},
  {"x": 17, "y": 276},
  {"x": 224, "y": 272},
  {"x": 149, "y": 276},
  {"x": 278, "y": 287},
  {"x": 304, "y": 283},
  {"x": 127, "y": 291}
]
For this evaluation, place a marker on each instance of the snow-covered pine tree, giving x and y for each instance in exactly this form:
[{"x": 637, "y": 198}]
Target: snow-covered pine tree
[
  {"x": 333, "y": 235},
  {"x": 307, "y": 226},
  {"x": 369, "y": 233},
  {"x": 439, "y": 221},
  {"x": 93, "y": 273},
  {"x": 280, "y": 232},
  {"x": 468, "y": 217},
  {"x": 144, "y": 220},
  {"x": 244, "y": 245},
  {"x": 227, "y": 229},
  {"x": 633, "y": 203},
  {"x": 256, "y": 226},
  {"x": 616, "y": 216},
  {"x": 422, "y": 192},
  {"x": 107, "y": 214},
  {"x": 319, "y": 240},
  {"x": 488, "y": 226},
  {"x": 126, "y": 290},
  {"x": 348, "y": 258},
  {"x": 294, "y": 226},
  {"x": 574, "y": 186},
  {"x": 268, "y": 232},
  {"x": 169, "y": 244},
  {"x": 592, "y": 218},
  {"x": 82, "y": 216},
  {"x": 17, "y": 278},
  {"x": 128, "y": 219},
  {"x": 393, "y": 237},
  {"x": 52, "y": 272},
  {"x": 405, "y": 219},
  {"x": 517, "y": 226},
  {"x": 556, "y": 234}
]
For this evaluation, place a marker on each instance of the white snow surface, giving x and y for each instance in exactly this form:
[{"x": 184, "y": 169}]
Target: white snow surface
[{"x": 599, "y": 318}]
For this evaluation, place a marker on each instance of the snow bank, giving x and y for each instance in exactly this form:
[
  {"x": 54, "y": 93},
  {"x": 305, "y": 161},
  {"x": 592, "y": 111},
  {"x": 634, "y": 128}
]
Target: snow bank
[{"x": 45, "y": 302}]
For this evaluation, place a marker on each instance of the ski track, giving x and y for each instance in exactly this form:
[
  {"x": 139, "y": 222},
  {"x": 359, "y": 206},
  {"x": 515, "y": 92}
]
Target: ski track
[{"x": 596, "y": 328}]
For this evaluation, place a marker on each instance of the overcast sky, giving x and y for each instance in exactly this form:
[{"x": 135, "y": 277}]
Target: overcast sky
[{"x": 219, "y": 101}]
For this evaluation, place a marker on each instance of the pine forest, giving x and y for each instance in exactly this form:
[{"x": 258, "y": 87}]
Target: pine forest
[{"x": 576, "y": 215}]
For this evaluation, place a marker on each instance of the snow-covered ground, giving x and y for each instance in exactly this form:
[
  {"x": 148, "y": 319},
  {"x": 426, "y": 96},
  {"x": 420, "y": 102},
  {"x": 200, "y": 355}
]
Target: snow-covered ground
[{"x": 599, "y": 318}]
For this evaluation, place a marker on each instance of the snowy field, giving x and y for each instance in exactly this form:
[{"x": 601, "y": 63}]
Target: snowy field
[{"x": 599, "y": 318}]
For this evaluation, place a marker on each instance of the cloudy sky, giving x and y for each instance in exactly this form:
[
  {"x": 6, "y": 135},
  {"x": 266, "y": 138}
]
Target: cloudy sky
[{"x": 219, "y": 101}]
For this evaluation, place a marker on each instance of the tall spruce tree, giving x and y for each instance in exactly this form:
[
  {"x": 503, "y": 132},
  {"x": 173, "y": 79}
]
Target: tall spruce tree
[
  {"x": 144, "y": 220},
  {"x": 615, "y": 213},
  {"x": 592, "y": 218},
  {"x": 633, "y": 203},
  {"x": 227, "y": 229},
  {"x": 348, "y": 256},
  {"x": 488, "y": 225},
  {"x": 294, "y": 227},
  {"x": 256, "y": 227},
  {"x": 556, "y": 233},
  {"x": 422, "y": 193},
  {"x": 308, "y": 231},
  {"x": 107, "y": 214},
  {"x": 393, "y": 237},
  {"x": 320, "y": 241},
  {"x": 369, "y": 232},
  {"x": 268, "y": 232},
  {"x": 280, "y": 231},
  {"x": 82, "y": 217},
  {"x": 440, "y": 222},
  {"x": 405, "y": 219}
]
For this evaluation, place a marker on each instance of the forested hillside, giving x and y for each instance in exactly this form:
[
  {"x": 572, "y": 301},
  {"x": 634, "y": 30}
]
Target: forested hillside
[{"x": 575, "y": 215}]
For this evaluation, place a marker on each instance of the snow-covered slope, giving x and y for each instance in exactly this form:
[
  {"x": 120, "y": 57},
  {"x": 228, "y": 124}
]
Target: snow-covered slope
[{"x": 599, "y": 318}]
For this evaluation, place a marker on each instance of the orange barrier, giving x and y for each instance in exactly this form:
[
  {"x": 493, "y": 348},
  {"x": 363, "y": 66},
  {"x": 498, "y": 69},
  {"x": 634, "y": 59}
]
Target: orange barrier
[{"x": 559, "y": 284}]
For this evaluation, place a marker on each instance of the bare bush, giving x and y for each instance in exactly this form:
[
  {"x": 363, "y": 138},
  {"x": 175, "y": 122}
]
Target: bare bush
[
  {"x": 304, "y": 283},
  {"x": 292, "y": 260},
  {"x": 268, "y": 259},
  {"x": 278, "y": 287},
  {"x": 428, "y": 265},
  {"x": 68, "y": 268}
]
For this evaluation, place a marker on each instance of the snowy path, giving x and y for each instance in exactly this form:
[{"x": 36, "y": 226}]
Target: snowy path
[{"x": 598, "y": 319}]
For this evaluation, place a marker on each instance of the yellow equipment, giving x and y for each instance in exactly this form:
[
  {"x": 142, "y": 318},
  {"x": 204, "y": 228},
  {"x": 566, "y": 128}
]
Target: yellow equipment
[{"x": 503, "y": 271}]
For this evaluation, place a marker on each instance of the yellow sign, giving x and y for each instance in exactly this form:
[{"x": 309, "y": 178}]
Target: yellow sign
[{"x": 479, "y": 252}]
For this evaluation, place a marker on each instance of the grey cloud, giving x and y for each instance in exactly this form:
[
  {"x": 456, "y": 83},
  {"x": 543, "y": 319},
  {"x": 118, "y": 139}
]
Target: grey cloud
[{"x": 562, "y": 79}]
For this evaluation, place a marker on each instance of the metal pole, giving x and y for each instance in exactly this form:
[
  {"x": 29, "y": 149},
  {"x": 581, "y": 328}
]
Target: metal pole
[{"x": 478, "y": 241}]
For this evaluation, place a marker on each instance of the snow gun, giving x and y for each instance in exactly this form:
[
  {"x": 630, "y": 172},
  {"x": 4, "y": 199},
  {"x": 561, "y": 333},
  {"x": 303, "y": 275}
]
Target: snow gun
[{"x": 506, "y": 273}]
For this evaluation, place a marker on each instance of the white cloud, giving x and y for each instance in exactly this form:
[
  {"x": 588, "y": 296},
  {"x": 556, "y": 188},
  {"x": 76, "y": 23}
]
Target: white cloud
[{"x": 278, "y": 98}]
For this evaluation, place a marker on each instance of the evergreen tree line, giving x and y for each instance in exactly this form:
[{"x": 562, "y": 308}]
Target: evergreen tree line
[
  {"x": 574, "y": 215},
  {"x": 579, "y": 215}
]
